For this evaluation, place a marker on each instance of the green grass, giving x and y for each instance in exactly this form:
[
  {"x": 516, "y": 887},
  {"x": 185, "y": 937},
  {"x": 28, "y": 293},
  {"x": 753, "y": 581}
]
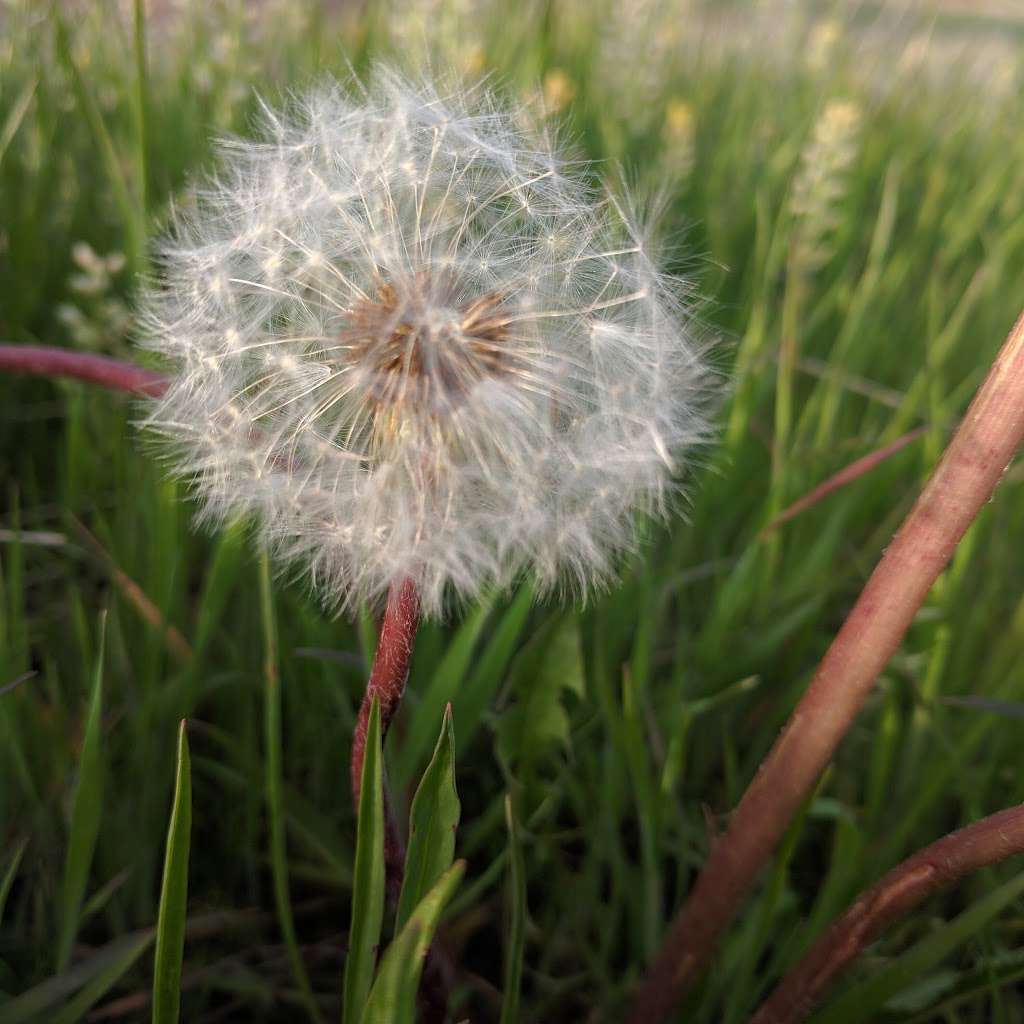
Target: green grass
[{"x": 619, "y": 732}]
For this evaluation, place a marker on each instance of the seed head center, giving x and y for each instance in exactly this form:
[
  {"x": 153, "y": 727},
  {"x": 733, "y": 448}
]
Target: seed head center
[{"x": 425, "y": 346}]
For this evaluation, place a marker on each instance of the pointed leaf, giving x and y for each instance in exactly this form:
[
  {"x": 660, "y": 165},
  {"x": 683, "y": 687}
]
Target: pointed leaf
[
  {"x": 432, "y": 823},
  {"x": 393, "y": 997},
  {"x": 170, "y": 928},
  {"x": 85, "y": 814}
]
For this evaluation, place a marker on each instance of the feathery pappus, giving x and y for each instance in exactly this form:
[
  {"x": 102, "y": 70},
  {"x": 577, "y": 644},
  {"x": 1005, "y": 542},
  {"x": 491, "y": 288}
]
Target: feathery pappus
[{"x": 410, "y": 340}]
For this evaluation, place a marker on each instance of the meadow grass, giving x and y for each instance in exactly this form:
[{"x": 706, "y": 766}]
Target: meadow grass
[{"x": 856, "y": 227}]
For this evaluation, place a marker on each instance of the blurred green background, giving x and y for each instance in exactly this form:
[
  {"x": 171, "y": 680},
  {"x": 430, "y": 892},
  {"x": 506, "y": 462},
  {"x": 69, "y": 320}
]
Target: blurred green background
[{"x": 843, "y": 185}]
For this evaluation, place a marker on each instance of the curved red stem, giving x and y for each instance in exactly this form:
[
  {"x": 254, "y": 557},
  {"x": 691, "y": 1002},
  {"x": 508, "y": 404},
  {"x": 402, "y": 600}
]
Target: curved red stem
[
  {"x": 50, "y": 361},
  {"x": 966, "y": 476},
  {"x": 939, "y": 865}
]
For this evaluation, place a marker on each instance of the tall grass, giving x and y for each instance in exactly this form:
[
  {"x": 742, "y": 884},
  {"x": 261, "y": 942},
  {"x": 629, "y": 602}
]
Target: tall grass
[{"x": 595, "y": 746}]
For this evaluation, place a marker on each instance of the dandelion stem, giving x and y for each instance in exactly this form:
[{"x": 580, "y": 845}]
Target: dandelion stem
[
  {"x": 964, "y": 480},
  {"x": 50, "y": 361},
  {"x": 387, "y": 680},
  {"x": 941, "y": 864}
]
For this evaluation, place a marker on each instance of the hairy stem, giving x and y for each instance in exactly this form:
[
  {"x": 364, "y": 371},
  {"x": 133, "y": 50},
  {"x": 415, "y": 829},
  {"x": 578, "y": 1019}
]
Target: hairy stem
[
  {"x": 939, "y": 865},
  {"x": 49, "y": 361},
  {"x": 387, "y": 680},
  {"x": 965, "y": 478}
]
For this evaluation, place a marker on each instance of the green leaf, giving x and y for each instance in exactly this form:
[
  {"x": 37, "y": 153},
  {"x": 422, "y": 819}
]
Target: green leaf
[
  {"x": 443, "y": 689},
  {"x": 864, "y": 999},
  {"x": 220, "y": 577},
  {"x": 368, "y": 883},
  {"x": 393, "y": 997},
  {"x": 10, "y": 874},
  {"x": 74, "y": 1011},
  {"x": 477, "y": 694},
  {"x": 129, "y": 206},
  {"x": 16, "y": 115},
  {"x": 141, "y": 100},
  {"x": 433, "y": 819},
  {"x": 170, "y": 928},
  {"x": 85, "y": 814},
  {"x": 551, "y": 664},
  {"x": 516, "y": 928},
  {"x": 94, "y": 975}
]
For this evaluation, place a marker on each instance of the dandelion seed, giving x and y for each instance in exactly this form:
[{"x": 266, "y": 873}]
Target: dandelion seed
[{"x": 412, "y": 342}]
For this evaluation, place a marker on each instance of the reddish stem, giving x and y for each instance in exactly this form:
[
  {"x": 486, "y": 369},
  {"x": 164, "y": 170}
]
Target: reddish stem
[
  {"x": 387, "y": 680},
  {"x": 48, "y": 361},
  {"x": 845, "y": 476},
  {"x": 964, "y": 480},
  {"x": 980, "y": 845}
]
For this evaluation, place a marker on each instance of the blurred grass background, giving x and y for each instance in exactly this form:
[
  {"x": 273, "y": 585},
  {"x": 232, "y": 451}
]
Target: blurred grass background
[{"x": 843, "y": 183}]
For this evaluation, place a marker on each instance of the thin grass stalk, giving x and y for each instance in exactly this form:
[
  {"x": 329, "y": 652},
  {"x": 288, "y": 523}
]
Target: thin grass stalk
[
  {"x": 273, "y": 791},
  {"x": 965, "y": 478},
  {"x": 141, "y": 102},
  {"x": 937, "y": 866}
]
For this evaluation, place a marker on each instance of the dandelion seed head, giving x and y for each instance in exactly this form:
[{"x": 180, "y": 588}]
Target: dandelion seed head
[{"x": 409, "y": 339}]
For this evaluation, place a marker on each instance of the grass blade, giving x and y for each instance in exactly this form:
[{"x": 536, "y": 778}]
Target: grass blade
[
  {"x": 476, "y": 695},
  {"x": 516, "y": 930},
  {"x": 85, "y": 814},
  {"x": 17, "y": 114},
  {"x": 443, "y": 689},
  {"x": 433, "y": 819},
  {"x": 392, "y": 999},
  {"x": 275, "y": 802},
  {"x": 109, "y": 963},
  {"x": 141, "y": 99},
  {"x": 132, "y": 215},
  {"x": 10, "y": 874},
  {"x": 74, "y": 1011},
  {"x": 170, "y": 928},
  {"x": 368, "y": 885}
]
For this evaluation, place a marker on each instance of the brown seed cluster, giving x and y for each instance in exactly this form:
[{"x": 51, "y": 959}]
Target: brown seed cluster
[{"x": 419, "y": 347}]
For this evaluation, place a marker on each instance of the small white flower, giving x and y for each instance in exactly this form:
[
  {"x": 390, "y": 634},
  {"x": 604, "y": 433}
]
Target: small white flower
[{"x": 410, "y": 341}]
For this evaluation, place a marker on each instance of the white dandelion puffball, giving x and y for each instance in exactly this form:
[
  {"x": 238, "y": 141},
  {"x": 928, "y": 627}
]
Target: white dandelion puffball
[{"x": 408, "y": 340}]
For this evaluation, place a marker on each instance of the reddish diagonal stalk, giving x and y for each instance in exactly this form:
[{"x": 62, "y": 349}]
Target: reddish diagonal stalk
[
  {"x": 845, "y": 476},
  {"x": 47, "y": 361},
  {"x": 939, "y": 865},
  {"x": 387, "y": 680},
  {"x": 963, "y": 481}
]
